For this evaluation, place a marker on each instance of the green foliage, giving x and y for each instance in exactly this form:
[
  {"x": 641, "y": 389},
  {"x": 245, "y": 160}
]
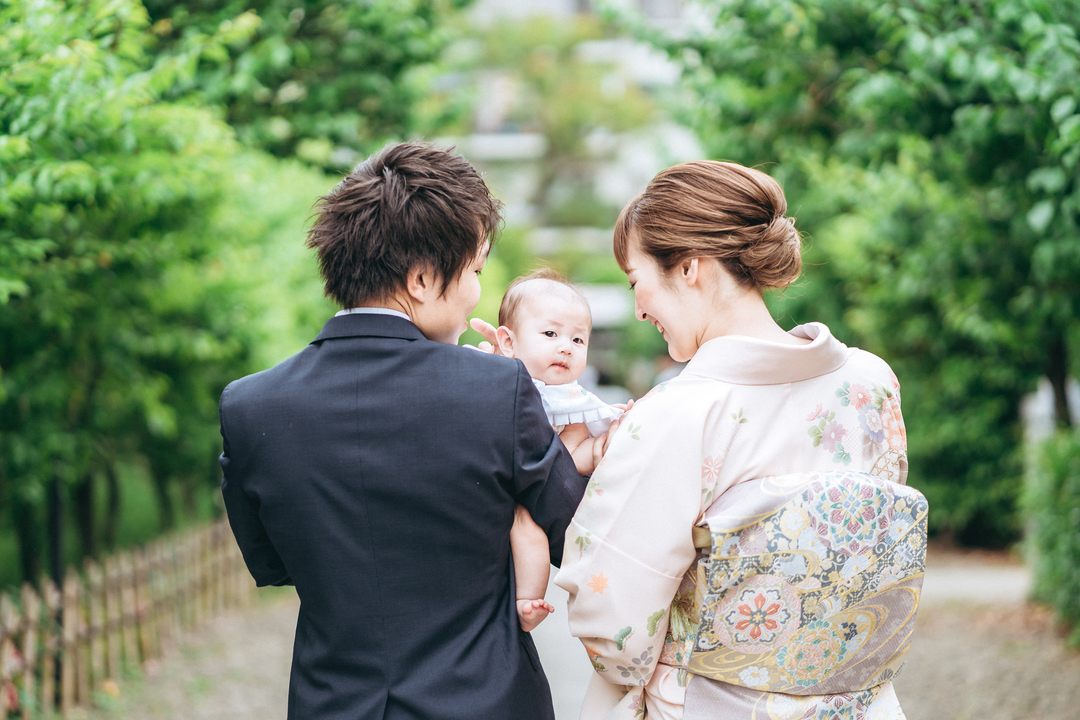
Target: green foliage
[
  {"x": 932, "y": 151},
  {"x": 321, "y": 80},
  {"x": 134, "y": 284},
  {"x": 1052, "y": 508}
]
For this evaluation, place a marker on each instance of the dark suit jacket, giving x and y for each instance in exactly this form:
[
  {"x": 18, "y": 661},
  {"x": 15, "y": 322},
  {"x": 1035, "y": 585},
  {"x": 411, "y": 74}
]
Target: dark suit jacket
[{"x": 377, "y": 471}]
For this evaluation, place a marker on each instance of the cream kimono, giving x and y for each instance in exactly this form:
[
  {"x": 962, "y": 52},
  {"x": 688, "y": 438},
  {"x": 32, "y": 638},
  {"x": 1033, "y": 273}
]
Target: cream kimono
[{"x": 792, "y": 597}]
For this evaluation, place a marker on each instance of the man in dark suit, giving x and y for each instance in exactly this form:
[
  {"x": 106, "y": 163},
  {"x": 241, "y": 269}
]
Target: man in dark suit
[{"x": 378, "y": 469}]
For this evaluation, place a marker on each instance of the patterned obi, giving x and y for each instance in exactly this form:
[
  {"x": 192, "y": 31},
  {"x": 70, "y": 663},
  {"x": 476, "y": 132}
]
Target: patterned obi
[{"x": 807, "y": 584}]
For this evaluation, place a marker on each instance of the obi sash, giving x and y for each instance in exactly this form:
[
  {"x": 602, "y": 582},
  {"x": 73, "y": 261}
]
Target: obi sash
[{"x": 807, "y": 584}]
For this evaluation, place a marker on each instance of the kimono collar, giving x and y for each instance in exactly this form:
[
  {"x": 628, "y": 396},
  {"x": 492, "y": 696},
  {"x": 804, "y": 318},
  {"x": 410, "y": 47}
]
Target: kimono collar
[{"x": 742, "y": 360}]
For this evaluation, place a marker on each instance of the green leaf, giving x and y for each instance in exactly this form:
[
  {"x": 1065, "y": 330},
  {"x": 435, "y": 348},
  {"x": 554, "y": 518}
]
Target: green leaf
[
  {"x": 650, "y": 624},
  {"x": 1040, "y": 215}
]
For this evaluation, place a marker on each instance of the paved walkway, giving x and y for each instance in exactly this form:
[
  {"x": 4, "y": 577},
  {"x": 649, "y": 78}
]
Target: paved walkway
[{"x": 980, "y": 653}]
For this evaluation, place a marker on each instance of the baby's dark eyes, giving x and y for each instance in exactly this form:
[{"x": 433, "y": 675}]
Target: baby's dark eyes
[
  {"x": 579, "y": 341},
  {"x": 549, "y": 333}
]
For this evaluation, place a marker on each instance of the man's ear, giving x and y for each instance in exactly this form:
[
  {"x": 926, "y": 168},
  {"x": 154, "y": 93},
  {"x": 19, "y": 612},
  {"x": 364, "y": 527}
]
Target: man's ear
[
  {"x": 420, "y": 283},
  {"x": 505, "y": 336}
]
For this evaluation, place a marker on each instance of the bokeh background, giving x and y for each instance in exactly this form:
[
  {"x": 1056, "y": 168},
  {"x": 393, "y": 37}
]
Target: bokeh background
[{"x": 159, "y": 161}]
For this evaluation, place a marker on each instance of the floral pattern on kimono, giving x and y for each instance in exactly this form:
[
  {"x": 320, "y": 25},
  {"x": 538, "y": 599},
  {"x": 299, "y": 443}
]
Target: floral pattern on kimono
[{"x": 635, "y": 560}]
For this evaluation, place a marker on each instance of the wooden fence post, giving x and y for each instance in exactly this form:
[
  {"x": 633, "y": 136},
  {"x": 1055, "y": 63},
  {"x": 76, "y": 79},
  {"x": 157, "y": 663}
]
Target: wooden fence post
[
  {"x": 51, "y": 640},
  {"x": 9, "y": 625},
  {"x": 129, "y": 621},
  {"x": 113, "y": 617},
  {"x": 69, "y": 655},
  {"x": 98, "y": 625},
  {"x": 82, "y": 641},
  {"x": 158, "y": 595},
  {"x": 143, "y": 609},
  {"x": 31, "y": 619},
  {"x": 172, "y": 588}
]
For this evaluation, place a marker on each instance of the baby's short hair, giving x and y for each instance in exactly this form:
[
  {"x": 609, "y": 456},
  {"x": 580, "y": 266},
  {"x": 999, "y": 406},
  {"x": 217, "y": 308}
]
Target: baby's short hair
[{"x": 511, "y": 301}]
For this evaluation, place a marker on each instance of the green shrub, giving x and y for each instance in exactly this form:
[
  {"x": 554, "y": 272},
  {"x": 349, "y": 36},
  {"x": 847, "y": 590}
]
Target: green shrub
[{"x": 1051, "y": 504}]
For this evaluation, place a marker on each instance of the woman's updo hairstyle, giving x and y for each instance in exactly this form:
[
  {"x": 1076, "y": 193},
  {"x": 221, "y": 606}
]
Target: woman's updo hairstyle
[{"x": 719, "y": 210}]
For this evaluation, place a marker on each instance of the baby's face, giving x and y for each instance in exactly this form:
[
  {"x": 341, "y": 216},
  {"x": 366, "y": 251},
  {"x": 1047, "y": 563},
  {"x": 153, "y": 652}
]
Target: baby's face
[{"x": 552, "y": 337}]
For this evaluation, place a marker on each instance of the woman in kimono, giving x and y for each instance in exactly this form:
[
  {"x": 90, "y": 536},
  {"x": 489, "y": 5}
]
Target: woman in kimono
[{"x": 747, "y": 548}]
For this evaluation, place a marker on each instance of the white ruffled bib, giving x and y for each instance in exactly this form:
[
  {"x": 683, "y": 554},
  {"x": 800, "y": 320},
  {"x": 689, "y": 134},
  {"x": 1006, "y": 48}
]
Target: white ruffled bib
[{"x": 570, "y": 403}]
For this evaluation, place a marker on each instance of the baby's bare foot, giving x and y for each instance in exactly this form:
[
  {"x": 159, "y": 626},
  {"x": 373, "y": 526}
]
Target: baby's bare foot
[{"x": 532, "y": 612}]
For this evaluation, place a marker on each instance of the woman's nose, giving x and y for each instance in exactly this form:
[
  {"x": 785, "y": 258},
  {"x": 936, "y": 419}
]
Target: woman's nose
[{"x": 639, "y": 313}]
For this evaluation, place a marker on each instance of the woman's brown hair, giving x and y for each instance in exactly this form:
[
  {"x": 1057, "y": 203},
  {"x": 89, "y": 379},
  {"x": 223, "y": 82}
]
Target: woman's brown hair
[{"x": 720, "y": 210}]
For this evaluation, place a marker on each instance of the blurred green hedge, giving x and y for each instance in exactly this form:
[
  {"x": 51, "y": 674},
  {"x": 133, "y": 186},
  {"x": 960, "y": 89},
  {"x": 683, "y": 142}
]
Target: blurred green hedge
[{"x": 1051, "y": 504}]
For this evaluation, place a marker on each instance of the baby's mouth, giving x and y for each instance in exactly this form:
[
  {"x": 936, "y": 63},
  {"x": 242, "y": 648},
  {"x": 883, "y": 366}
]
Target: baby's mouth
[{"x": 564, "y": 366}]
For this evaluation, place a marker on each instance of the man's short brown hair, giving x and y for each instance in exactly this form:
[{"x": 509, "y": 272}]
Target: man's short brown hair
[{"x": 408, "y": 205}]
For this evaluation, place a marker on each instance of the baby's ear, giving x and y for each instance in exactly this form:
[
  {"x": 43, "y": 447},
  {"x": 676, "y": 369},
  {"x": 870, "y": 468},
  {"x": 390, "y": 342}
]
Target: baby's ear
[{"x": 505, "y": 336}]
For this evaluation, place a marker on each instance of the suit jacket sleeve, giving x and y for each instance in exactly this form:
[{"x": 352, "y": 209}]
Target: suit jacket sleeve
[
  {"x": 545, "y": 479},
  {"x": 261, "y": 558}
]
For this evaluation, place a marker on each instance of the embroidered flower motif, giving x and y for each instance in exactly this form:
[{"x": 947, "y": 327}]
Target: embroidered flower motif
[
  {"x": 859, "y": 396},
  {"x": 758, "y": 615},
  {"x": 845, "y": 706},
  {"x": 754, "y": 540},
  {"x": 594, "y": 658},
  {"x": 786, "y": 707},
  {"x": 599, "y": 583},
  {"x": 815, "y": 414},
  {"x": 638, "y": 666},
  {"x": 754, "y": 676},
  {"x": 854, "y": 565},
  {"x": 813, "y": 655},
  {"x": 854, "y": 514},
  {"x": 710, "y": 468},
  {"x": 832, "y": 434},
  {"x": 893, "y": 423},
  {"x": 870, "y": 420},
  {"x": 793, "y": 521},
  {"x": 888, "y": 577}
]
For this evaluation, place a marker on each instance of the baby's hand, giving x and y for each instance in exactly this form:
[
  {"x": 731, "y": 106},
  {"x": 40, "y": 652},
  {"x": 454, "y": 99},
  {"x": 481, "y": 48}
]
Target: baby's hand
[
  {"x": 490, "y": 343},
  {"x": 532, "y": 612}
]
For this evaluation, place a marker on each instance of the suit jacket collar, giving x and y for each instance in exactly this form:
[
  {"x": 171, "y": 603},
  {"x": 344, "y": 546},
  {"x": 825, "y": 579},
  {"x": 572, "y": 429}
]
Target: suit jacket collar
[{"x": 366, "y": 325}]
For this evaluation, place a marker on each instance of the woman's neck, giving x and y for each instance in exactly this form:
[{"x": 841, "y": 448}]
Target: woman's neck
[{"x": 744, "y": 313}]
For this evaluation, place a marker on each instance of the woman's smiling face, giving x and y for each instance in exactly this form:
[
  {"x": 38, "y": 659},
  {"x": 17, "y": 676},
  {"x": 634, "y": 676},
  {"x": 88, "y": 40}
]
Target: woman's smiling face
[{"x": 658, "y": 300}]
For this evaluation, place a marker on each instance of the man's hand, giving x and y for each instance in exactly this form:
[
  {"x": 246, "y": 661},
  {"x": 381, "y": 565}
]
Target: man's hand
[{"x": 490, "y": 343}]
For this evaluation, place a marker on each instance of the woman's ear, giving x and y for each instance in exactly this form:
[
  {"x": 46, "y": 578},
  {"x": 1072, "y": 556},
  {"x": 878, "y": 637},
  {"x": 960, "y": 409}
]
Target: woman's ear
[
  {"x": 505, "y": 337},
  {"x": 690, "y": 270}
]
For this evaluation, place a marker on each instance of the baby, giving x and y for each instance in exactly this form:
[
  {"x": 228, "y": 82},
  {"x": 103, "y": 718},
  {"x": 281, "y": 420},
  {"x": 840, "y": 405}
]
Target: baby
[{"x": 545, "y": 322}]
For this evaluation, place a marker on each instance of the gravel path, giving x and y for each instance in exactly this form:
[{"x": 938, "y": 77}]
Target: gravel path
[{"x": 980, "y": 653}]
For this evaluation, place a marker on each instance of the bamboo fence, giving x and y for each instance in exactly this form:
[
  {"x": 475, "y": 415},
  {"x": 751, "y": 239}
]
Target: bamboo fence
[{"x": 61, "y": 646}]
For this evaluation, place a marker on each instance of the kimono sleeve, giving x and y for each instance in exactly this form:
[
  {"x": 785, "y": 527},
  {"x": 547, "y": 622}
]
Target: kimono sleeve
[{"x": 631, "y": 540}]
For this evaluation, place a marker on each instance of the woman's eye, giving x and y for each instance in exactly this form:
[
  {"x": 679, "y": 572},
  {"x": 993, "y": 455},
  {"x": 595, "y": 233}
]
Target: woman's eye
[{"x": 632, "y": 285}]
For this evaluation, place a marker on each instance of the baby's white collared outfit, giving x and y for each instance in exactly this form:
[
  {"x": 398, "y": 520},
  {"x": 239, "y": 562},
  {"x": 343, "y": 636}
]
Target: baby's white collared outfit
[{"x": 569, "y": 404}]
